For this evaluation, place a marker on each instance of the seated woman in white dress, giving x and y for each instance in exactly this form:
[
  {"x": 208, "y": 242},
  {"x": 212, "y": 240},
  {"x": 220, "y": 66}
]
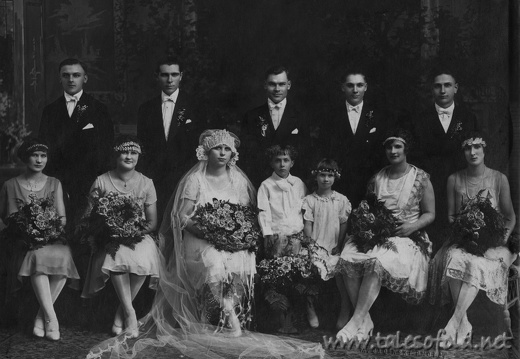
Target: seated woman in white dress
[
  {"x": 464, "y": 274},
  {"x": 129, "y": 267},
  {"x": 407, "y": 191}
]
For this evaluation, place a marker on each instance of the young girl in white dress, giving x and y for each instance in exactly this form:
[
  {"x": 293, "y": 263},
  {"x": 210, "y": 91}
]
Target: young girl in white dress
[
  {"x": 48, "y": 267},
  {"x": 325, "y": 222},
  {"x": 130, "y": 267}
]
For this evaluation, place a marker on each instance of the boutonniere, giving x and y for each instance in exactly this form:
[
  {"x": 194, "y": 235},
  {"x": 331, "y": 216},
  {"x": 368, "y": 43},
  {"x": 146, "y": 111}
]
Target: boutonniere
[
  {"x": 181, "y": 118},
  {"x": 80, "y": 110},
  {"x": 263, "y": 125},
  {"x": 456, "y": 130},
  {"x": 369, "y": 123}
]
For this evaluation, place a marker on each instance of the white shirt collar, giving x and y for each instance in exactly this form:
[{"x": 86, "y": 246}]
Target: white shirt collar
[
  {"x": 448, "y": 110},
  {"x": 349, "y": 106},
  {"x": 281, "y": 103},
  {"x": 291, "y": 179},
  {"x": 71, "y": 97},
  {"x": 173, "y": 96}
]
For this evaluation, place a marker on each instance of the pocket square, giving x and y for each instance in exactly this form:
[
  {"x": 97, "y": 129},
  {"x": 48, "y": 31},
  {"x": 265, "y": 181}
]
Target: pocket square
[
  {"x": 294, "y": 132},
  {"x": 373, "y": 130},
  {"x": 187, "y": 121},
  {"x": 88, "y": 126}
]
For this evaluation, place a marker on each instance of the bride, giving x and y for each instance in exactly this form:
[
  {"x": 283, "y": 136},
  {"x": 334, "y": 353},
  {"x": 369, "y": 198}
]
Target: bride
[{"x": 205, "y": 295}]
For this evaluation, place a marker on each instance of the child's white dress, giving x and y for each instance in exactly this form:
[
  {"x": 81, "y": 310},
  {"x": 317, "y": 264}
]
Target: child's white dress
[{"x": 327, "y": 214}]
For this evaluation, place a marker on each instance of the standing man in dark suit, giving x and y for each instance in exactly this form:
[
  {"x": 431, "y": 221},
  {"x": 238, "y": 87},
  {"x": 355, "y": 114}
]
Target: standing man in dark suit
[
  {"x": 168, "y": 127},
  {"x": 355, "y": 130},
  {"x": 276, "y": 122},
  {"x": 439, "y": 132},
  {"x": 80, "y": 134}
]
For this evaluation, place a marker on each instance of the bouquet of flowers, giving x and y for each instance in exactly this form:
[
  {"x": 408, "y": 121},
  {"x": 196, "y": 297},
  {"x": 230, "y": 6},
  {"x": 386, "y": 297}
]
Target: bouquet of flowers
[
  {"x": 229, "y": 227},
  {"x": 478, "y": 226},
  {"x": 113, "y": 220},
  {"x": 292, "y": 272},
  {"x": 36, "y": 222},
  {"x": 373, "y": 224}
]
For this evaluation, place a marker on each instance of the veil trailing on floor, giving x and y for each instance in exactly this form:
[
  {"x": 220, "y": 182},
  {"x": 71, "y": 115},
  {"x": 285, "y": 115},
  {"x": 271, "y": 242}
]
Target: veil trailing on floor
[{"x": 175, "y": 324}]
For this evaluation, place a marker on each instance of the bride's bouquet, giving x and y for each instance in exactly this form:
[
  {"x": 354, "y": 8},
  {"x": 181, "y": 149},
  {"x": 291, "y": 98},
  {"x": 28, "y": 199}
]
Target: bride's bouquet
[
  {"x": 228, "y": 226},
  {"x": 113, "y": 220},
  {"x": 373, "y": 224},
  {"x": 37, "y": 222},
  {"x": 478, "y": 226}
]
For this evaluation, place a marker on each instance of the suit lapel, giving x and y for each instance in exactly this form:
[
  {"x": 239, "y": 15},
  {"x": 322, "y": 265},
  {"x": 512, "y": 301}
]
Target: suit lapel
[
  {"x": 180, "y": 105},
  {"x": 362, "y": 129},
  {"x": 287, "y": 122},
  {"x": 79, "y": 115}
]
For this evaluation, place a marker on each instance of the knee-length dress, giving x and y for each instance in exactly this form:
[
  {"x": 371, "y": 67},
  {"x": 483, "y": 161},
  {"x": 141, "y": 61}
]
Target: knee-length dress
[
  {"x": 488, "y": 273},
  {"x": 327, "y": 215},
  {"x": 405, "y": 269},
  {"x": 143, "y": 260},
  {"x": 51, "y": 259}
]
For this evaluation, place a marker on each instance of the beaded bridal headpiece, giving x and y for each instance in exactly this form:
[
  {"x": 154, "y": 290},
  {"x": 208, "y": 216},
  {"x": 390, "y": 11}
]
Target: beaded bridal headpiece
[
  {"x": 127, "y": 147},
  {"x": 212, "y": 138},
  {"x": 474, "y": 141}
]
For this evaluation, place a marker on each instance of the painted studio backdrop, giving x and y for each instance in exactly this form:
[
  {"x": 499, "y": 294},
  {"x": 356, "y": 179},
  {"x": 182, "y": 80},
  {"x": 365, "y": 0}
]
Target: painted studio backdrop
[{"x": 227, "y": 45}]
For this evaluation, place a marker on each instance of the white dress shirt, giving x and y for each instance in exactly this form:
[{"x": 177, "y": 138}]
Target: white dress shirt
[
  {"x": 72, "y": 101},
  {"x": 354, "y": 114},
  {"x": 445, "y": 115},
  {"x": 280, "y": 204},
  {"x": 276, "y": 110},
  {"x": 168, "y": 107}
]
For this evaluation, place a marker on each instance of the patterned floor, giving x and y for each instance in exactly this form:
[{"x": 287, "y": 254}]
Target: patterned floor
[{"x": 75, "y": 344}]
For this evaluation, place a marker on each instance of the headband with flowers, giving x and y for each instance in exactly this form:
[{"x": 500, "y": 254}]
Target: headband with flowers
[
  {"x": 393, "y": 138},
  {"x": 335, "y": 172},
  {"x": 128, "y": 146},
  {"x": 37, "y": 147},
  {"x": 474, "y": 141},
  {"x": 213, "y": 138}
]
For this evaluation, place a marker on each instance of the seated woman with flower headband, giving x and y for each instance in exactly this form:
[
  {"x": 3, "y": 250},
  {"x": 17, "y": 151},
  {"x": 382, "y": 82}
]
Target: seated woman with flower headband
[
  {"x": 137, "y": 257},
  {"x": 37, "y": 250},
  {"x": 462, "y": 267},
  {"x": 398, "y": 257}
]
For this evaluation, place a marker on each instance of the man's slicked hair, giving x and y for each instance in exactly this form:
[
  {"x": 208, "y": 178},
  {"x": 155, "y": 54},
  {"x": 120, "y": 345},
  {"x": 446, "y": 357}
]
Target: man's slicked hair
[
  {"x": 72, "y": 61},
  {"x": 171, "y": 60},
  {"x": 276, "y": 70}
]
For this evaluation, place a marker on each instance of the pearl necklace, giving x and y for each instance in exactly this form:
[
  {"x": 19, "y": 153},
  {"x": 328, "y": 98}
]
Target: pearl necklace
[{"x": 32, "y": 188}]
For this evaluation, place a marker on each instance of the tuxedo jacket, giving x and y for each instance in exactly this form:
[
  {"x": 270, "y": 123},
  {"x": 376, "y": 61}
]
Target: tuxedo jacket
[
  {"x": 359, "y": 155},
  {"x": 438, "y": 152},
  {"x": 258, "y": 133},
  {"x": 165, "y": 161},
  {"x": 80, "y": 146}
]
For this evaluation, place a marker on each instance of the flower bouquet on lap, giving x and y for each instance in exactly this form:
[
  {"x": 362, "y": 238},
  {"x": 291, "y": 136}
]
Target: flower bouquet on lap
[
  {"x": 37, "y": 223},
  {"x": 228, "y": 226},
  {"x": 478, "y": 226},
  {"x": 291, "y": 274},
  {"x": 373, "y": 224},
  {"x": 113, "y": 220}
]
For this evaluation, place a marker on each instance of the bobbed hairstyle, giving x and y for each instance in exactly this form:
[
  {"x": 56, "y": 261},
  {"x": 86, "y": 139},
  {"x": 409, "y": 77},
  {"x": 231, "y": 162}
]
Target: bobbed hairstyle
[
  {"x": 277, "y": 150},
  {"x": 400, "y": 133},
  {"x": 72, "y": 61},
  {"x": 29, "y": 146}
]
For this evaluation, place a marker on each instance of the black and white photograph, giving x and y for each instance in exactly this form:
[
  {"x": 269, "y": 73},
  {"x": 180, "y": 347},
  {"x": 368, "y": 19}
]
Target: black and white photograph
[{"x": 284, "y": 179}]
